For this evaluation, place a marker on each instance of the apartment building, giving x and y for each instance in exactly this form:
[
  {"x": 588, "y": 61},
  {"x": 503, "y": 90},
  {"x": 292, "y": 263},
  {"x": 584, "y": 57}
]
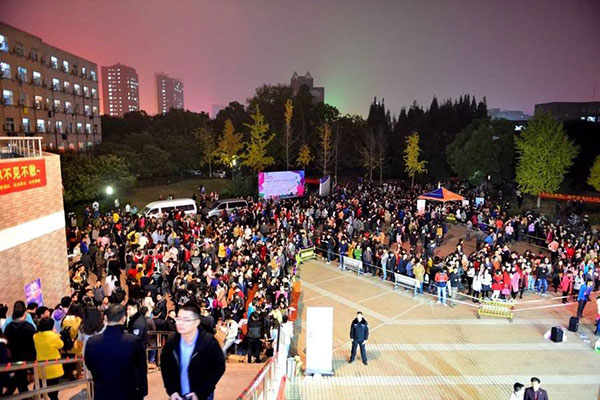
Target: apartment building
[
  {"x": 120, "y": 90},
  {"x": 47, "y": 92}
]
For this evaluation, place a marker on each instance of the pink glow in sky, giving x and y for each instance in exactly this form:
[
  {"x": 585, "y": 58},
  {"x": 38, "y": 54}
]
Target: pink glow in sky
[{"x": 517, "y": 53}]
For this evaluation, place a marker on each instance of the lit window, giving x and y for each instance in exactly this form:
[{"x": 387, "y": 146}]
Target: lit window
[
  {"x": 37, "y": 78},
  {"x": 22, "y": 74},
  {"x": 25, "y": 123},
  {"x": 5, "y": 69},
  {"x": 7, "y": 97},
  {"x": 55, "y": 84},
  {"x": 54, "y": 62},
  {"x": 59, "y": 126},
  {"x": 3, "y": 43},
  {"x": 41, "y": 125},
  {"x": 65, "y": 66}
]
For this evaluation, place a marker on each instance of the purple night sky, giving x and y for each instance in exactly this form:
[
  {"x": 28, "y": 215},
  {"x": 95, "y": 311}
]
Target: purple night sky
[{"x": 517, "y": 53}]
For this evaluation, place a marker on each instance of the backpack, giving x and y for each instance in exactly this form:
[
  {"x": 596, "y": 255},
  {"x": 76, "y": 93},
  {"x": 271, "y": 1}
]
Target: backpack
[{"x": 65, "y": 336}]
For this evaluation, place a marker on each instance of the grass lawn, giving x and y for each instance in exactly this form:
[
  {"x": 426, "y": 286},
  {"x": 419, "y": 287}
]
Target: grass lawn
[{"x": 182, "y": 189}]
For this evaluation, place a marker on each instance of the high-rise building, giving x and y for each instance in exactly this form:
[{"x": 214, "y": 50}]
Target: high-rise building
[
  {"x": 298, "y": 81},
  {"x": 47, "y": 92},
  {"x": 120, "y": 90},
  {"x": 169, "y": 93}
]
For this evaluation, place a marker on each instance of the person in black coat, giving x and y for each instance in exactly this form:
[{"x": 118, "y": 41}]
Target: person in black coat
[
  {"x": 359, "y": 333},
  {"x": 19, "y": 334},
  {"x": 192, "y": 361},
  {"x": 136, "y": 322},
  {"x": 117, "y": 360}
]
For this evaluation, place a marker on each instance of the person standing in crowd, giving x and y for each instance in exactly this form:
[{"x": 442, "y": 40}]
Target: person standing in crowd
[
  {"x": 584, "y": 296},
  {"x": 192, "y": 361},
  {"x": 117, "y": 360},
  {"x": 535, "y": 392},
  {"x": 359, "y": 333},
  {"x": 19, "y": 334},
  {"x": 47, "y": 346},
  {"x": 136, "y": 322},
  {"x": 254, "y": 336},
  {"x": 419, "y": 271},
  {"x": 441, "y": 279},
  {"x": 518, "y": 392}
]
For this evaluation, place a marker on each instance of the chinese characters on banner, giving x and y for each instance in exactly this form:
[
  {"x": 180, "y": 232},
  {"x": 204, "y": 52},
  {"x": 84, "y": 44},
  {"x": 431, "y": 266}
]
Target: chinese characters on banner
[
  {"x": 16, "y": 176},
  {"x": 33, "y": 292}
]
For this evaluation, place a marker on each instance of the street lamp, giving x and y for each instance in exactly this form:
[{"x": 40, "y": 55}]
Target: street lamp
[{"x": 109, "y": 190}]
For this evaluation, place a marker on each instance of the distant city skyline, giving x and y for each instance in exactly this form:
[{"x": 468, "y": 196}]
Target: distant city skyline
[{"x": 517, "y": 54}]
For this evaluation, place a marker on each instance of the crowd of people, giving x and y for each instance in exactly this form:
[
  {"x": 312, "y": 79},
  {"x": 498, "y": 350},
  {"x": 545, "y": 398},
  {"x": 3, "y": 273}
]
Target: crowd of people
[{"x": 233, "y": 275}]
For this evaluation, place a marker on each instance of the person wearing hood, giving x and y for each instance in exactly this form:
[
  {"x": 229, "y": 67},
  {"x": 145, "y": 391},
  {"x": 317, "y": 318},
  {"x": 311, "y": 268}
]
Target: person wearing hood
[
  {"x": 359, "y": 333},
  {"x": 19, "y": 334},
  {"x": 61, "y": 312}
]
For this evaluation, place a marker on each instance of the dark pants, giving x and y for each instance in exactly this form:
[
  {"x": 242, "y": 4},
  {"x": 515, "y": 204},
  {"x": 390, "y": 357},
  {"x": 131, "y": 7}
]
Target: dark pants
[
  {"x": 18, "y": 381},
  {"x": 581, "y": 307},
  {"x": 52, "y": 382},
  {"x": 253, "y": 350},
  {"x": 363, "y": 353}
]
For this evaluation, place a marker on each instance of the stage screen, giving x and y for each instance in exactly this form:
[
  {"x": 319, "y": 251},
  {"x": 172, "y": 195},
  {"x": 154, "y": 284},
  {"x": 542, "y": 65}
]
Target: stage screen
[{"x": 281, "y": 184}]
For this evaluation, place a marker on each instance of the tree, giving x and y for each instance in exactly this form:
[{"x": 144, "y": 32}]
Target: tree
[
  {"x": 594, "y": 178},
  {"x": 544, "y": 154},
  {"x": 304, "y": 156},
  {"x": 484, "y": 148},
  {"x": 325, "y": 148},
  {"x": 289, "y": 111},
  {"x": 411, "y": 158},
  {"x": 369, "y": 154},
  {"x": 208, "y": 148},
  {"x": 256, "y": 157},
  {"x": 229, "y": 145}
]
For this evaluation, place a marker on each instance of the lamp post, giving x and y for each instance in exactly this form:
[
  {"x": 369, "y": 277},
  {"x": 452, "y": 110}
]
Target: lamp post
[{"x": 109, "y": 190}]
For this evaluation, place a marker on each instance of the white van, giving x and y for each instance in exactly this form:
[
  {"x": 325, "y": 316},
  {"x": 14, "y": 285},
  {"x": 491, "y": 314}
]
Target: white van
[
  {"x": 216, "y": 208},
  {"x": 158, "y": 208}
]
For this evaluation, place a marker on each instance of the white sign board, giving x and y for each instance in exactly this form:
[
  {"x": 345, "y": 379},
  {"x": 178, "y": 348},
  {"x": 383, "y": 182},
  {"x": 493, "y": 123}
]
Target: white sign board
[
  {"x": 421, "y": 206},
  {"x": 319, "y": 340},
  {"x": 325, "y": 186}
]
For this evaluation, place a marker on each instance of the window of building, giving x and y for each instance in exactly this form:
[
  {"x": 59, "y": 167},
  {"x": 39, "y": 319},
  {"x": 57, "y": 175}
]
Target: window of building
[
  {"x": 68, "y": 107},
  {"x": 83, "y": 71},
  {"x": 19, "y": 49},
  {"x": 38, "y": 102},
  {"x": 87, "y": 110},
  {"x": 94, "y": 93},
  {"x": 54, "y": 62},
  {"x": 33, "y": 54},
  {"x": 41, "y": 125},
  {"x": 93, "y": 75},
  {"x": 37, "y": 78},
  {"x": 7, "y": 97},
  {"x": 55, "y": 84},
  {"x": 9, "y": 125},
  {"x": 4, "y": 70},
  {"x": 56, "y": 106},
  {"x": 94, "y": 111},
  {"x": 65, "y": 66},
  {"x": 25, "y": 123},
  {"x": 75, "y": 69},
  {"x": 59, "y": 126},
  {"x": 77, "y": 89},
  {"x": 88, "y": 129},
  {"x": 23, "y": 99},
  {"x": 79, "y": 127},
  {"x": 66, "y": 87},
  {"x": 3, "y": 43},
  {"x": 22, "y": 74},
  {"x": 86, "y": 91},
  {"x": 70, "y": 127}
]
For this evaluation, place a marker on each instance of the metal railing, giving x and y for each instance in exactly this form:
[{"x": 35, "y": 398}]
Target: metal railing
[
  {"x": 161, "y": 338},
  {"x": 40, "y": 384},
  {"x": 14, "y": 147},
  {"x": 262, "y": 384}
]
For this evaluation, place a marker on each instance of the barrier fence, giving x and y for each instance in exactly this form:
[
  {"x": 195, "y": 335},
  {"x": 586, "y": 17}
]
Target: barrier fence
[{"x": 40, "y": 384}]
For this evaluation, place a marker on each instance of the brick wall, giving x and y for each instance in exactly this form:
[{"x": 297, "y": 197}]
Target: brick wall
[{"x": 44, "y": 257}]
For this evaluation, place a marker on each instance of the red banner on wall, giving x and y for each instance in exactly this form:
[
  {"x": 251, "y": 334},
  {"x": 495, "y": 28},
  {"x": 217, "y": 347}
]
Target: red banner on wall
[
  {"x": 565, "y": 197},
  {"x": 16, "y": 176}
]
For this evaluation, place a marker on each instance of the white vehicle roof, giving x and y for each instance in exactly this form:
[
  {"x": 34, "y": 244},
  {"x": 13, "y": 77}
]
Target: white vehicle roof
[{"x": 170, "y": 203}]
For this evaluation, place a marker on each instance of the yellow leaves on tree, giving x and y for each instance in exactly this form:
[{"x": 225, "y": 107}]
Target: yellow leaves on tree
[
  {"x": 256, "y": 157},
  {"x": 412, "y": 165}
]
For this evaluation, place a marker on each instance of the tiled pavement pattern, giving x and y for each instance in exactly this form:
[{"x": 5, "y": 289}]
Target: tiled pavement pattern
[{"x": 421, "y": 350}]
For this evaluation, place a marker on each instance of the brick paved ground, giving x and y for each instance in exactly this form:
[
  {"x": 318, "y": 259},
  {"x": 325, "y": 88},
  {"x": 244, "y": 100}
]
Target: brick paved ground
[{"x": 420, "y": 350}]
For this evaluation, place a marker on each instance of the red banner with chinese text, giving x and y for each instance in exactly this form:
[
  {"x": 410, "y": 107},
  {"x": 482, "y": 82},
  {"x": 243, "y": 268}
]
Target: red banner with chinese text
[
  {"x": 565, "y": 197},
  {"x": 16, "y": 176}
]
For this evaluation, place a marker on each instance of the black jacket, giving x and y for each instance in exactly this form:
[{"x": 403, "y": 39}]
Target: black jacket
[
  {"x": 359, "y": 331},
  {"x": 530, "y": 394},
  {"x": 20, "y": 341},
  {"x": 206, "y": 367},
  {"x": 117, "y": 361},
  {"x": 137, "y": 326}
]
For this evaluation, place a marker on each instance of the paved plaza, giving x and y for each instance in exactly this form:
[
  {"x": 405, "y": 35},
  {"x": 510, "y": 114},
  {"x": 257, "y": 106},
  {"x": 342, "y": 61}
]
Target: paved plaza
[{"x": 418, "y": 349}]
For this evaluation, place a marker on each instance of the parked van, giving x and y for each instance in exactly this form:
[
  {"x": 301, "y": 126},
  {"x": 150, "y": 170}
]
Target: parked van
[
  {"x": 216, "y": 208},
  {"x": 158, "y": 208}
]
